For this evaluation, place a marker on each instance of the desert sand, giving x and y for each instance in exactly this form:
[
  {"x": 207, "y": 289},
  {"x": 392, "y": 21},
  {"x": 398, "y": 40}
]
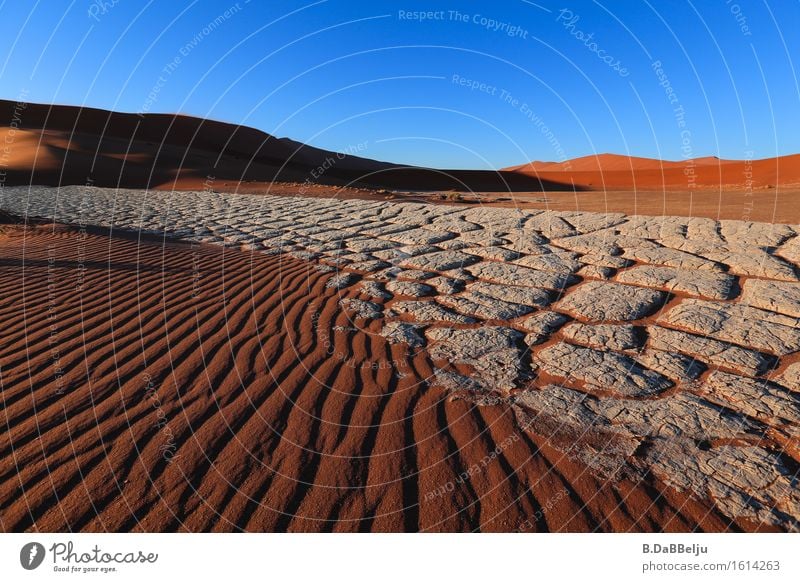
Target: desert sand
[{"x": 236, "y": 362}]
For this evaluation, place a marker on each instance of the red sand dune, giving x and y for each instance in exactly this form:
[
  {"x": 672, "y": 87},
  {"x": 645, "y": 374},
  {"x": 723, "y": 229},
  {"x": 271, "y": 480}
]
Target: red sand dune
[
  {"x": 616, "y": 172},
  {"x": 178, "y": 387},
  {"x": 55, "y": 145}
]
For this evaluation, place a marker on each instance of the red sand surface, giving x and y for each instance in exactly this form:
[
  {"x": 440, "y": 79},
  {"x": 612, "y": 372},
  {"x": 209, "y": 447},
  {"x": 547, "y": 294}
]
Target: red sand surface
[{"x": 155, "y": 386}]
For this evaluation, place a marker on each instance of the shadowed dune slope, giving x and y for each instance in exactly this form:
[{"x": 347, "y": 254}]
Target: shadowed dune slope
[{"x": 57, "y": 145}]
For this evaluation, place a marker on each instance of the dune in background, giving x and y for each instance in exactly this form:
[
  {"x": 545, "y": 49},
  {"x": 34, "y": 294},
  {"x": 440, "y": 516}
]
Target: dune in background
[
  {"x": 61, "y": 145},
  {"x": 617, "y": 172},
  {"x": 65, "y": 145}
]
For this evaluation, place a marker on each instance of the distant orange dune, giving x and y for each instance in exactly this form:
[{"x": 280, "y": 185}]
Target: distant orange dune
[{"x": 617, "y": 172}]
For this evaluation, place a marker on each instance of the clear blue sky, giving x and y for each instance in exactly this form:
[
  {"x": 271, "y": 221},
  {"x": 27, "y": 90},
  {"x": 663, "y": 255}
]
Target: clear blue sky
[{"x": 340, "y": 73}]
